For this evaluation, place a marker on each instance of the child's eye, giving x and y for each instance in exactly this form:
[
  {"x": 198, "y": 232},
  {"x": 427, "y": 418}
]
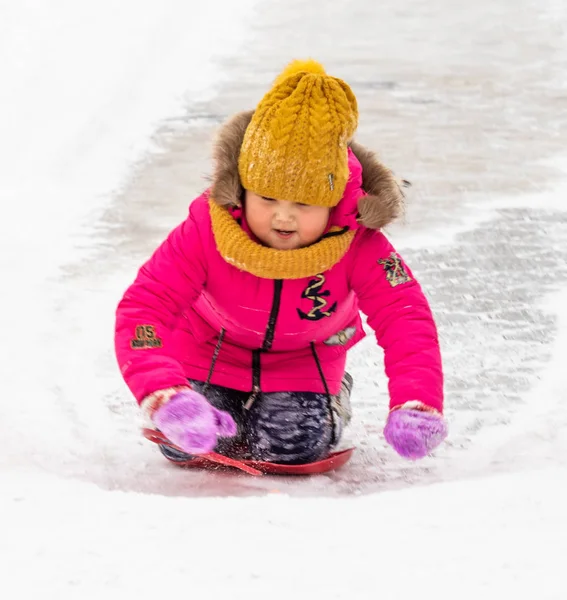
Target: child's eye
[
  {"x": 302, "y": 204},
  {"x": 268, "y": 199}
]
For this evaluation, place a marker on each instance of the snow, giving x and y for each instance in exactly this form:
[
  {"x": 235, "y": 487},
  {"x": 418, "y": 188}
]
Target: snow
[
  {"x": 497, "y": 536},
  {"x": 87, "y": 507}
]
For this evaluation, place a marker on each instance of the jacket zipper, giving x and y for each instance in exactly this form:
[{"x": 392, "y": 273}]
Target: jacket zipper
[
  {"x": 255, "y": 379},
  {"x": 266, "y": 344},
  {"x": 269, "y": 337}
]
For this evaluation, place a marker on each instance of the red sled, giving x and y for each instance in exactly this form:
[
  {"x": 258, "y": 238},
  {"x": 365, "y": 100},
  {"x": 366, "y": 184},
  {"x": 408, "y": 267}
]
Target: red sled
[{"x": 214, "y": 461}]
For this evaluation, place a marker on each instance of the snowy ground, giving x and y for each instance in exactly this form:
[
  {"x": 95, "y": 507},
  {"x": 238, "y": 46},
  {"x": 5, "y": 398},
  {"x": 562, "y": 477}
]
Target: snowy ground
[{"x": 106, "y": 110}]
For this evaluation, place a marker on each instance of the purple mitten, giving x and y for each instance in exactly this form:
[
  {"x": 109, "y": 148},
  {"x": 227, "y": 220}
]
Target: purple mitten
[
  {"x": 414, "y": 433},
  {"x": 190, "y": 422}
]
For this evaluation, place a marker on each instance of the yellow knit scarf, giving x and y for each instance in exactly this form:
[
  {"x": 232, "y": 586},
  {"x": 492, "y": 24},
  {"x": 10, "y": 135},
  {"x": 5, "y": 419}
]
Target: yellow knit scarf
[{"x": 236, "y": 247}]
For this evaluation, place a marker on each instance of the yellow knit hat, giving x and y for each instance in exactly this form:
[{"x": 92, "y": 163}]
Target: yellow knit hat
[{"x": 295, "y": 147}]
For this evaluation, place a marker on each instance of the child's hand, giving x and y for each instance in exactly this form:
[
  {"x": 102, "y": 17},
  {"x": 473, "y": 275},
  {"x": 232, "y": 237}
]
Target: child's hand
[
  {"x": 189, "y": 421},
  {"x": 414, "y": 430}
]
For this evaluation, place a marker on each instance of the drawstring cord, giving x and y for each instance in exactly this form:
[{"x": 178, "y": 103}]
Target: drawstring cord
[
  {"x": 214, "y": 361},
  {"x": 329, "y": 398}
]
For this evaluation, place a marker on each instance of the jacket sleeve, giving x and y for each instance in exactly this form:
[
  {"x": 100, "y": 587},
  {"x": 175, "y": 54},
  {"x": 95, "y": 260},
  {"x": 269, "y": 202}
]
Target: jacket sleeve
[
  {"x": 167, "y": 284},
  {"x": 401, "y": 318}
]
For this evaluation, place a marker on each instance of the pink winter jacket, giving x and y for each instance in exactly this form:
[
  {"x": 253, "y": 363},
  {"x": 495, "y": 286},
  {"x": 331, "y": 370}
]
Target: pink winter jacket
[{"x": 192, "y": 315}]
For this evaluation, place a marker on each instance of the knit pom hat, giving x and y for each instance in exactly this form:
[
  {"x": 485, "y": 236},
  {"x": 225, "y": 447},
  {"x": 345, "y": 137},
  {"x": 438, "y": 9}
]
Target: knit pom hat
[{"x": 295, "y": 147}]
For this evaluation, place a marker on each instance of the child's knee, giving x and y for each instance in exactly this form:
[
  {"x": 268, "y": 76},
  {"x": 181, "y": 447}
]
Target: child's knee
[{"x": 292, "y": 428}]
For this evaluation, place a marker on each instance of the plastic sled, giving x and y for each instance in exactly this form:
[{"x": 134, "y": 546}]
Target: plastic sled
[{"x": 214, "y": 461}]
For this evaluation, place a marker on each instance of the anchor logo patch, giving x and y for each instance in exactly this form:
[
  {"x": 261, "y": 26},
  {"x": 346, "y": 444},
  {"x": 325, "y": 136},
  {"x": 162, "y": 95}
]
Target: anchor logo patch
[{"x": 316, "y": 294}]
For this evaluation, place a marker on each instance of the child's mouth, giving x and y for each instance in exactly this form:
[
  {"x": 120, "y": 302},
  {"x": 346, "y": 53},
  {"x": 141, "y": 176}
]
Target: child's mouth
[{"x": 283, "y": 233}]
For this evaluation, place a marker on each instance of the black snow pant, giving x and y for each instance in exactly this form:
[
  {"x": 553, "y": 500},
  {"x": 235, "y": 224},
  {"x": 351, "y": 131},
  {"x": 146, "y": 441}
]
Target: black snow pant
[{"x": 281, "y": 427}]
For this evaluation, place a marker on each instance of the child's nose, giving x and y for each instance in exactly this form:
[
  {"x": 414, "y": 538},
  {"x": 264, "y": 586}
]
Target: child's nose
[{"x": 284, "y": 213}]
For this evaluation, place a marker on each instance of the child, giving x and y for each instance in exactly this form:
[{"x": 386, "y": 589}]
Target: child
[{"x": 234, "y": 335}]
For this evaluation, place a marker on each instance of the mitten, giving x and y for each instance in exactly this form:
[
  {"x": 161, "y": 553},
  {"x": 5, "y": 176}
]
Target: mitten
[
  {"x": 188, "y": 420},
  {"x": 414, "y": 429}
]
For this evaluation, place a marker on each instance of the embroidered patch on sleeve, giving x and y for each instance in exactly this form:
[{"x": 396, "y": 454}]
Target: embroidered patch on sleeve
[
  {"x": 395, "y": 271},
  {"x": 145, "y": 337}
]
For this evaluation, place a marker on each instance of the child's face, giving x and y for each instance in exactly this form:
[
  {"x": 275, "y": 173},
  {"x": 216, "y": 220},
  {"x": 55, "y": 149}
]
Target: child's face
[{"x": 284, "y": 225}]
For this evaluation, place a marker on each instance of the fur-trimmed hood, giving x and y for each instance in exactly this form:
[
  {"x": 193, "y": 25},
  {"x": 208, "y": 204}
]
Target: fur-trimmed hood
[{"x": 383, "y": 200}]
